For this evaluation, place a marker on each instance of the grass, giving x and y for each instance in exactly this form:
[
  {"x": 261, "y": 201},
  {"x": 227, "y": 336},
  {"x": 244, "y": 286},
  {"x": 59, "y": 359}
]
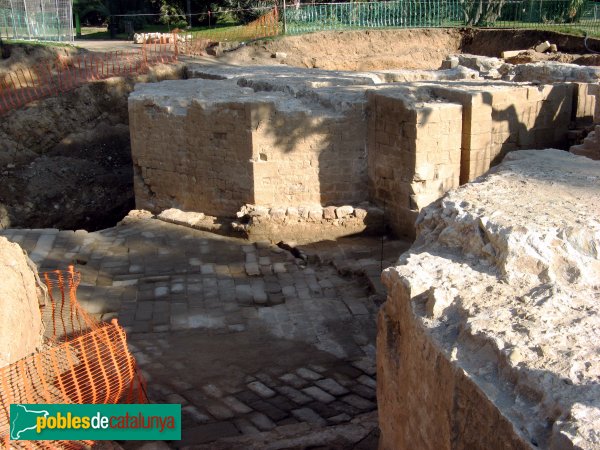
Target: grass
[
  {"x": 98, "y": 33},
  {"x": 37, "y": 43}
]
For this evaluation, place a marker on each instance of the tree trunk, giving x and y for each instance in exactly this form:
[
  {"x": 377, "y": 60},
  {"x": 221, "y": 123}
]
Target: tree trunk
[{"x": 4, "y": 50}]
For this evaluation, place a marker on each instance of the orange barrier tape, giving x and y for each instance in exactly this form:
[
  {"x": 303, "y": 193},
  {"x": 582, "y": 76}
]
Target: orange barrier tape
[
  {"x": 22, "y": 86},
  {"x": 82, "y": 361},
  {"x": 266, "y": 25}
]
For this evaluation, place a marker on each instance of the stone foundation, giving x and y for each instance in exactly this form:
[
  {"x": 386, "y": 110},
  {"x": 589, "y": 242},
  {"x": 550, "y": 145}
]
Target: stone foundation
[
  {"x": 272, "y": 136},
  {"x": 308, "y": 223},
  {"x": 489, "y": 335}
]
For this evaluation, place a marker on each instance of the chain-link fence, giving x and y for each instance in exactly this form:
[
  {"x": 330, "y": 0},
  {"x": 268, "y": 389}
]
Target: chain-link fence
[
  {"x": 552, "y": 14},
  {"x": 46, "y": 20}
]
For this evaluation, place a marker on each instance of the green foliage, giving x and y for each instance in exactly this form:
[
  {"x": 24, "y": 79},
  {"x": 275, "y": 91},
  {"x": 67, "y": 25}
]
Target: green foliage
[
  {"x": 172, "y": 15},
  {"x": 552, "y": 11},
  {"x": 84, "y": 7},
  {"x": 138, "y": 20},
  {"x": 482, "y": 12}
]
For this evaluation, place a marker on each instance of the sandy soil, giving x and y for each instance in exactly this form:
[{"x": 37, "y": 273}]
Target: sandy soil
[
  {"x": 355, "y": 50},
  {"x": 405, "y": 49}
]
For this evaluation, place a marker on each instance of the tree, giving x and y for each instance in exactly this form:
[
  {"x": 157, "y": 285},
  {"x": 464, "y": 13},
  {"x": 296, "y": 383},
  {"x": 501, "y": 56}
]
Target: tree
[
  {"x": 83, "y": 7},
  {"x": 245, "y": 11},
  {"x": 481, "y": 12},
  {"x": 4, "y": 50}
]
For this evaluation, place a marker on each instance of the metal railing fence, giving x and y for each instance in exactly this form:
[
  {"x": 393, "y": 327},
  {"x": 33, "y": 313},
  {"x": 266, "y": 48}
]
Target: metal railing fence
[
  {"x": 533, "y": 14},
  {"x": 43, "y": 20}
]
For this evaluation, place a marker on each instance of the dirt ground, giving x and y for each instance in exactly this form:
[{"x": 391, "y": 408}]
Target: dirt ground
[
  {"x": 23, "y": 56},
  {"x": 65, "y": 162},
  {"x": 355, "y": 50},
  {"x": 405, "y": 49}
]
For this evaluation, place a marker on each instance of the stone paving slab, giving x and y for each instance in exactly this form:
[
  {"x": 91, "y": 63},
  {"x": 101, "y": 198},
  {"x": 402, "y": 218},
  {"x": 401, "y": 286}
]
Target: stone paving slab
[{"x": 244, "y": 351}]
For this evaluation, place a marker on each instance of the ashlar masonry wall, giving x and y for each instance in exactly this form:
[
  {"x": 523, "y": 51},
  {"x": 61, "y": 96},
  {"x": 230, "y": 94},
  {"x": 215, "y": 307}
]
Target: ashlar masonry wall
[
  {"x": 414, "y": 153},
  {"x": 501, "y": 117},
  {"x": 214, "y": 145},
  {"x": 304, "y": 155},
  {"x": 190, "y": 154}
]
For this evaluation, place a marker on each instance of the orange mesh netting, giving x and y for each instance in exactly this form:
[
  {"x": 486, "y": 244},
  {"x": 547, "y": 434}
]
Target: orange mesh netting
[
  {"x": 22, "y": 86},
  {"x": 82, "y": 361},
  {"x": 196, "y": 43}
]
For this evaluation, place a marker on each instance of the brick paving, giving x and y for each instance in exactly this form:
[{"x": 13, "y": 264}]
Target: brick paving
[{"x": 245, "y": 337}]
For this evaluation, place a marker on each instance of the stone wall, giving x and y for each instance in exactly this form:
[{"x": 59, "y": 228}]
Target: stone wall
[
  {"x": 273, "y": 136},
  {"x": 308, "y": 156},
  {"x": 424, "y": 399},
  {"x": 191, "y": 156},
  {"x": 414, "y": 153},
  {"x": 586, "y": 104},
  {"x": 212, "y": 146},
  {"x": 468, "y": 352},
  {"x": 501, "y": 117},
  {"x": 22, "y": 329}
]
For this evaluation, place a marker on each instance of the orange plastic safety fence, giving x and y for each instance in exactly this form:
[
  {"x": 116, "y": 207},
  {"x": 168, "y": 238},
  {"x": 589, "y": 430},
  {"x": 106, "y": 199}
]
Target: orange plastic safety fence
[
  {"x": 161, "y": 50},
  {"x": 44, "y": 80},
  {"x": 82, "y": 361},
  {"x": 266, "y": 25}
]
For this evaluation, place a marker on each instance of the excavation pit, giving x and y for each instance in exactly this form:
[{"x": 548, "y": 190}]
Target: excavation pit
[
  {"x": 88, "y": 128},
  {"x": 293, "y": 144},
  {"x": 259, "y": 344}
]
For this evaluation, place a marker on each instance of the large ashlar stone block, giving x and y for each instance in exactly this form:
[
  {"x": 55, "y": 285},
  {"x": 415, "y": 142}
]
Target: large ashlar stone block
[
  {"x": 490, "y": 335},
  {"x": 501, "y": 117},
  {"x": 22, "y": 330},
  {"x": 414, "y": 152},
  {"x": 587, "y": 103}
]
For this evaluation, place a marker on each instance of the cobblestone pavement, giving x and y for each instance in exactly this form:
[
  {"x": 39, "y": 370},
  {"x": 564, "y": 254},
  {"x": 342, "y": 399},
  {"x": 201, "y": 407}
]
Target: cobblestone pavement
[{"x": 245, "y": 336}]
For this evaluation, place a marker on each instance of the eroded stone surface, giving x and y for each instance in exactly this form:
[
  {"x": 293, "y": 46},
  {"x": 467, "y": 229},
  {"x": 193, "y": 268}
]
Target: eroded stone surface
[
  {"x": 491, "y": 326},
  {"x": 22, "y": 329},
  {"x": 590, "y": 146}
]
